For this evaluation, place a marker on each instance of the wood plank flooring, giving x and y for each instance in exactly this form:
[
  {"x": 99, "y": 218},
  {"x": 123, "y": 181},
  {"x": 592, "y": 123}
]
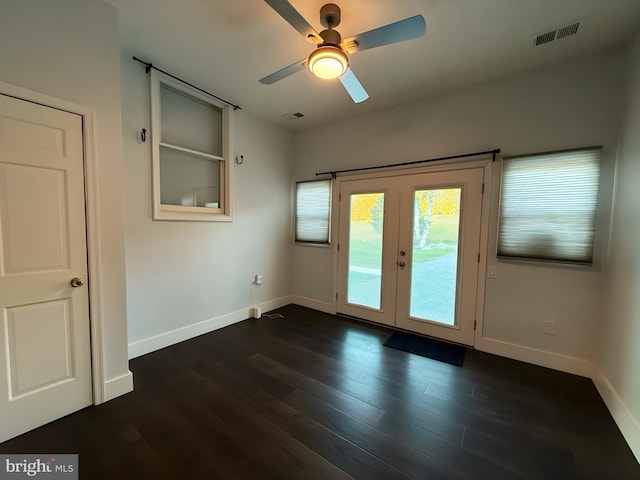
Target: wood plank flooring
[{"x": 312, "y": 395}]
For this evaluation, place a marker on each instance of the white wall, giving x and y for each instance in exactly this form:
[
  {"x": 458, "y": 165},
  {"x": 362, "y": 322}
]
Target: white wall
[
  {"x": 69, "y": 49},
  {"x": 187, "y": 278},
  {"x": 620, "y": 378},
  {"x": 569, "y": 105}
]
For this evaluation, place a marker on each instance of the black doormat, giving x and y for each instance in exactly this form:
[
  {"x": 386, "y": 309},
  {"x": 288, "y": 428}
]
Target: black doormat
[{"x": 427, "y": 347}]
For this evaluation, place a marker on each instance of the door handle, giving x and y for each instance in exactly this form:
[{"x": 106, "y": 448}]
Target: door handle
[
  {"x": 401, "y": 264},
  {"x": 77, "y": 282}
]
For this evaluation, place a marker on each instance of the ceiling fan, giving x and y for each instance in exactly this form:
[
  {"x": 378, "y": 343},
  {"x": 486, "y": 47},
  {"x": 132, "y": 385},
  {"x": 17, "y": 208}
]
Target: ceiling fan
[{"x": 329, "y": 60}]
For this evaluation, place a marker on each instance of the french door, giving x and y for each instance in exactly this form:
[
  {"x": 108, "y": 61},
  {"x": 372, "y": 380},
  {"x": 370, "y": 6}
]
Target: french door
[{"x": 408, "y": 251}]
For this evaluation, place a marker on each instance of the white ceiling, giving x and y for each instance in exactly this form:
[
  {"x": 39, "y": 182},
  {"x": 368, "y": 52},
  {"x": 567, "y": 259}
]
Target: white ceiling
[{"x": 225, "y": 46}]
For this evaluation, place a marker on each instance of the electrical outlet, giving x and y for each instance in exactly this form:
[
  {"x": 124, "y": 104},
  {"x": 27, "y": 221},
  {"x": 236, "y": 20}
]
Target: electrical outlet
[
  {"x": 492, "y": 272},
  {"x": 549, "y": 327}
]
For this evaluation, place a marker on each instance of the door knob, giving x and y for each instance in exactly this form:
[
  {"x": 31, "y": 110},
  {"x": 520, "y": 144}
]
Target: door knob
[
  {"x": 77, "y": 282},
  {"x": 401, "y": 264},
  {"x": 402, "y": 253}
]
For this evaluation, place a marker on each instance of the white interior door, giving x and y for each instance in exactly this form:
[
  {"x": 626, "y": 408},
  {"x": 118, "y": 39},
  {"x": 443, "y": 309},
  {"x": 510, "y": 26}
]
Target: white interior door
[
  {"x": 408, "y": 251},
  {"x": 45, "y": 363}
]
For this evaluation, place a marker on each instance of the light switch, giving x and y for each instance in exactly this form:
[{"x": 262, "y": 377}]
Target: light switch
[{"x": 492, "y": 272}]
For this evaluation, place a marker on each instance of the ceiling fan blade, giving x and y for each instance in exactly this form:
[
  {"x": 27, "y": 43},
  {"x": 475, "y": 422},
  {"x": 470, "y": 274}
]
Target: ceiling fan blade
[
  {"x": 407, "y": 29},
  {"x": 353, "y": 86},
  {"x": 297, "y": 21},
  {"x": 284, "y": 72}
]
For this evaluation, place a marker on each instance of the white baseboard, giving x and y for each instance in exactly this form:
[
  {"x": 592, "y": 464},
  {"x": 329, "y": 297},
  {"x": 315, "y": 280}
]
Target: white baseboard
[
  {"x": 114, "y": 387},
  {"x": 627, "y": 423},
  {"x": 166, "y": 339},
  {"x": 542, "y": 358},
  {"x": 314, "y": 304}
]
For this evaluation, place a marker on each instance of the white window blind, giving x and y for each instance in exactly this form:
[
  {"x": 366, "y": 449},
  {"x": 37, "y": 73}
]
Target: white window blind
[
  {"x": 548, "y": 206},
  {"x": 313, "y": 208},
  {"x": 189, "y": 122}
]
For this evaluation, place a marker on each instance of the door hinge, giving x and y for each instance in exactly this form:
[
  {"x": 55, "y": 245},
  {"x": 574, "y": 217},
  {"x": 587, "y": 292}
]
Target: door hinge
[
  {"x": 478, "y": 257},
  {"x": 475, "y": 324},
  {"x": 336, "y": 296},
  {"x": 483, "y": 188},
  {"x": 338, "y": 247},
  {"x": 340, "y": 197}
]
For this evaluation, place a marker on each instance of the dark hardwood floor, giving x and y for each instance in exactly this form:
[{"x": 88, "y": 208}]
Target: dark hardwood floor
[{"x": 311, "y": 395}]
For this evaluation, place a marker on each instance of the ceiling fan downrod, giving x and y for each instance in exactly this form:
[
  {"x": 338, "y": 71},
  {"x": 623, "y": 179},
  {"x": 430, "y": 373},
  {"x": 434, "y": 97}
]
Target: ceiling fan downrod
[{"x": 330, "y": 18}]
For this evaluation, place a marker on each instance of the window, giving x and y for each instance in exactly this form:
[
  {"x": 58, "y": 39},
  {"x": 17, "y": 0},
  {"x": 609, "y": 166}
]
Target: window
[
  {"x": 191, "y": 153},
  {"x": 313, "y": 211},
  {"x": 548, "y": 206}
]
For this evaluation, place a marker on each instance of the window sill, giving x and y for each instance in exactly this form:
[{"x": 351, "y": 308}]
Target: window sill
[
  {"x": 312, "y": 244},
  {"x": 190, "y": 214}
]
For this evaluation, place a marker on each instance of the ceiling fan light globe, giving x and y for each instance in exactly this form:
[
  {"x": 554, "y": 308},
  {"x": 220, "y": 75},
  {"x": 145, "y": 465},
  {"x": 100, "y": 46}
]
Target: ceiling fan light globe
[{"x": 328, "y": 62}]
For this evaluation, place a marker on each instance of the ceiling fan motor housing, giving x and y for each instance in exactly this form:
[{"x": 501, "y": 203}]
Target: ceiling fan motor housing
[
  {"x": 330, "y": 15},
  {"x": 331, "y": 37}
]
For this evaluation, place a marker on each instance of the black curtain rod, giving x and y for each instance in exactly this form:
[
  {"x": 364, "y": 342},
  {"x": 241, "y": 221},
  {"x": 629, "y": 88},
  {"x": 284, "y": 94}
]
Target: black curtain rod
[
  {"x": 149, "y": 66},
  {"x": 334, "y": 173}
]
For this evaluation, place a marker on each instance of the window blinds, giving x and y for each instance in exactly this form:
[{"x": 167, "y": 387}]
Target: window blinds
[
  {"x": 313, "y": 207},
  {"x": 548, "y": 206},
  {"x": 189, "y": 122}
]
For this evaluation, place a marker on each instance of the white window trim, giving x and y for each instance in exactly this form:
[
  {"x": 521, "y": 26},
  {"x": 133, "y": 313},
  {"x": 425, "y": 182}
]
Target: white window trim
[{"x": 177, "y": 212}]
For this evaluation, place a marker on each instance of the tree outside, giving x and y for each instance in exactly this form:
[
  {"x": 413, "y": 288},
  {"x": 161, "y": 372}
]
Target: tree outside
[{"x": 435, "y": 225}]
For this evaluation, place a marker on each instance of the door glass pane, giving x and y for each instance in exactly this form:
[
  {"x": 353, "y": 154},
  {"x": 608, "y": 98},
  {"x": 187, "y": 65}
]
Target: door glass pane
[
  {"x": 365, "y": 249},
  {"x": 434, "y": 258}
]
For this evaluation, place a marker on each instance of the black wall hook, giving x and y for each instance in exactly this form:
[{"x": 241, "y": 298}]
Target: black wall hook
[{"x": 141, "y": 136}]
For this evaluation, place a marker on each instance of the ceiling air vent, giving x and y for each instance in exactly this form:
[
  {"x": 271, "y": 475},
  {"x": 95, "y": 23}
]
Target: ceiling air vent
[
  {"x": 545, "y": 37},
  {"x": 557, "y": 33},
  {"x": 293, "y": 116},
  {"x": 568, "y": 30}
]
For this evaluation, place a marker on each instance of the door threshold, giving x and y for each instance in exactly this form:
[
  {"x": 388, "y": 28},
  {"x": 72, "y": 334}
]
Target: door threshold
[{"x": 403, "y": 330}]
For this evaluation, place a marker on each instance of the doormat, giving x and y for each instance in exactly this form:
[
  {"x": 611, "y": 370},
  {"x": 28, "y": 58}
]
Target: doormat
[{"x": 427, "y": 347}]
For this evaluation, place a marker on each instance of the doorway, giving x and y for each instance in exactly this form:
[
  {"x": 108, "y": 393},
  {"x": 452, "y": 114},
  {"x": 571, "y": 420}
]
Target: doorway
[
  {"x": 45, "y": 354},
  {"x": 409, "y": 251}
]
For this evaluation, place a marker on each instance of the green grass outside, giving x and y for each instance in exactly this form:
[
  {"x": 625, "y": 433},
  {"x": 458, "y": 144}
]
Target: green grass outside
[{"x": 366, "y": 250}]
